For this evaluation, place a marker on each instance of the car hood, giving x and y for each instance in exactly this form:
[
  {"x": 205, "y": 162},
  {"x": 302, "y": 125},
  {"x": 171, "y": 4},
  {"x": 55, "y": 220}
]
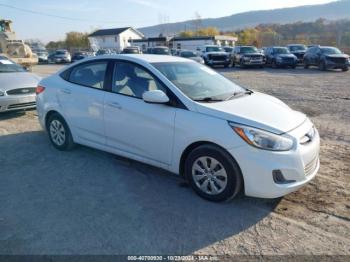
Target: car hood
[
  {"x": 286, "y": 55},
  {"x": 256, "y": 110},
  {"x": 196, "y": 58},
  {"x": 18, "y": 80},
  {"x": 252, "y": 54},
  {"x": 338, "y": 56},
  {"x": 217, "y": 53}
]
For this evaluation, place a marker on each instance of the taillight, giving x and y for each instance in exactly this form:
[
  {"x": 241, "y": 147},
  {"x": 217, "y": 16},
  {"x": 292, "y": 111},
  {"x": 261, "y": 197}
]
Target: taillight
[{"x": 39, "y": 90}]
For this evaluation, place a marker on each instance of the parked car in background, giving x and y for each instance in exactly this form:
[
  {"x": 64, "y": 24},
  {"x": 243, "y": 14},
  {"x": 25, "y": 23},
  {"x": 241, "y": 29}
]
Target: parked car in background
[
  {"x": 42, "y": 56},
  {"x": 298, "y": 50},
  {"x": 17, "y": 86},
  {"x": 103, "y": 52},
  {"x": 60, "y": 56},
  {"x": 159, "y": 50},
  {"x": 184, "y": 117},
  {"x": 79, "y": 56},
  {"x": 191, "y": 55},
  {"x": 214, "y": 55},
  {"x": 326, "y": 57},
  {"x": 247, "y": 56},
  {"x": 280, "y": 57},
  {"x": 132, "y": 50}
]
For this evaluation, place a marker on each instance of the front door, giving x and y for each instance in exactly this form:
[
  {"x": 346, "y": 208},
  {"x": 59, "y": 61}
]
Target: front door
[{"x": 133, "y": 126}]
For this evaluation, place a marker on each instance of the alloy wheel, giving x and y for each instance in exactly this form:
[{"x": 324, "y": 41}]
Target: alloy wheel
[
  {"x": 209, "y": 175},
  {"x": 57, "y": 132}
]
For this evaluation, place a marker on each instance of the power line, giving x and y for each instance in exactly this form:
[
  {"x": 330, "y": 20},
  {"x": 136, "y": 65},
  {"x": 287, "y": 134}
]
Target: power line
[{"x": 65, "y": 17}]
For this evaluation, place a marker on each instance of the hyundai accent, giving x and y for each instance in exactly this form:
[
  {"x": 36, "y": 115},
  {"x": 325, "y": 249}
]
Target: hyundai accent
[{"x": 179, "y": 115}]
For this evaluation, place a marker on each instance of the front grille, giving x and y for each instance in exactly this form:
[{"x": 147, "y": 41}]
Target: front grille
[
  {"x": 255, "y": 57},
  {"x": 21, "y": 91},
  {"x": 218, "y": 57},
  {"x": 288, "y": 60},
  {"x": 337, "y": 60},
  {"x": 311, "y": 166},
  {"x": 22, "y": 105}
]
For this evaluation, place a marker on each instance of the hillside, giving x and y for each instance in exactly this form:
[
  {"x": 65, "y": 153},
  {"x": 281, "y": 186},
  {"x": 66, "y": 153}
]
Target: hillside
[{"x": 331, "y": 11}]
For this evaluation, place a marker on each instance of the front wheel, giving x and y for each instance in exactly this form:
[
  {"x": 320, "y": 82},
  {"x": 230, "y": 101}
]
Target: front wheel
[
  {"x": 322, "y": 66},
  {"x": 345, "y": 69},
  {"x": 59, "y": 133},
  {"x": 213, "y": 173}
]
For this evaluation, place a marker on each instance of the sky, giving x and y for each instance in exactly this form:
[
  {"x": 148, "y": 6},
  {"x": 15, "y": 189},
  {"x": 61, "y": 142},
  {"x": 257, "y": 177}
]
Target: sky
[{"x": 89, "y": 15}]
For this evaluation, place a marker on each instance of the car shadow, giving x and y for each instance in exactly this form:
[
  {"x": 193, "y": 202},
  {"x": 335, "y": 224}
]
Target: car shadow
[
  {"x": 90, "y": 202},
  {"x": 11, "y": 114}
]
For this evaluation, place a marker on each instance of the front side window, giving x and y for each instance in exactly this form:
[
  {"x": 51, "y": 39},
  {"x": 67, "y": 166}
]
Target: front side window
[
  {"x": 91, "y": 74},
  {"x": 199, "y": 82},
  {"x": 132, "y": 80}
]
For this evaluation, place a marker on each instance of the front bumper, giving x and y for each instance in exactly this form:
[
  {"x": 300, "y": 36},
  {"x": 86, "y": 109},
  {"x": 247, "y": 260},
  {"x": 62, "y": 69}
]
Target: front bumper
[
  {"x": 12, "y": 103},
  {"x": 253, "y": 62},
  {"x": 216, "y": 62},
  {"x": 286, "y": 63},
  {"x": 332, "y": 65},
  {"x": 299, "y": 166}
]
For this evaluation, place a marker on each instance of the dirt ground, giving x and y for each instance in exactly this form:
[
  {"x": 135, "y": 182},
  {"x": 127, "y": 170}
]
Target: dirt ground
[{"x": 90, "y": 202}]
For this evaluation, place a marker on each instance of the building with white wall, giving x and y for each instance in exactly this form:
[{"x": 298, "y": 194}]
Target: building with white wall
[
  {"x": 116, "y": 38},
  {"x": 185, "y": 43}
]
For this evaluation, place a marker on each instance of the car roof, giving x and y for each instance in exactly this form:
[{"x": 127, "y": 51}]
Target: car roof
[{"x": 142, "y": 58}]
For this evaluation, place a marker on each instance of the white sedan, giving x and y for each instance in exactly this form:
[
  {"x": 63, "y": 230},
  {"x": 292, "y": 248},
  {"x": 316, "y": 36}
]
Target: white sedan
[{"x": 184, "y": 117}]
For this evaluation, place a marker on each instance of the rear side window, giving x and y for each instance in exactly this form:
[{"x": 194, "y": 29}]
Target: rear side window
[{"x": 90, "y": 74}]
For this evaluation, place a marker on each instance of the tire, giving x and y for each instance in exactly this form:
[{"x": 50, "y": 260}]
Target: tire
[
  {"x": 322, "y": 66},
  {"x": 273, "y": 64},
  {"x": 225, "y": 177},
  {"x": 345, "y": 69},
  {"x": 59, "y": 133},
  {"x": 241, "y": 64}
]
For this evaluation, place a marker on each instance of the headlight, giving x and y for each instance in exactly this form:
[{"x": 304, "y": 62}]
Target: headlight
[
  {"x": 246, "y": 58},
  {"x": 263, "y": 139},
  {"x": 2, "y": 93}
]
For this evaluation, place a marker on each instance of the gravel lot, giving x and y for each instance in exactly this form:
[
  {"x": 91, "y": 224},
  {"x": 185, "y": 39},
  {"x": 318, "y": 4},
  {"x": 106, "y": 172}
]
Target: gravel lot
[{"x": 91, "y": 202}]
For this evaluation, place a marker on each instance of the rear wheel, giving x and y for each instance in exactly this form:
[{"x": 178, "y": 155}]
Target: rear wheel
[
  {"x": 59, "y": 133},
  {"x": 213, "y": 173}
]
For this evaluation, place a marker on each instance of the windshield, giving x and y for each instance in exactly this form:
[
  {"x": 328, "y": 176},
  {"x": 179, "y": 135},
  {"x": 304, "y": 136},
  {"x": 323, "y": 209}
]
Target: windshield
[
  {"x": 297, "y": 48},
  {"x": 188, "y": 54},
  {"x": 7, "y": 66},
  {"x": 61, "y": 53},
  {"x": 161, "y": 51},
  {"x": 214, "y": 49},
  {"x": 228, "y": 49},
  {"x": 199, "y": 82},
  {"x": 330, "y": 51},
  {"x": 281, "y": 50},
  {"x": 249, "y": 49},
  {"x": 131, "y": 51}
]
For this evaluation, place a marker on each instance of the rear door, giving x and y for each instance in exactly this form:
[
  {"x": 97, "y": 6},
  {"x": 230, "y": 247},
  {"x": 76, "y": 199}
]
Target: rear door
[
  {"x": 133, "y": 126},
  {"x": 82, "y": 101}
]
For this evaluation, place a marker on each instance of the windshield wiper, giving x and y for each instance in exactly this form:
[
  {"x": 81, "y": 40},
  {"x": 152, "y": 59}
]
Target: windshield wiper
[
  {"x": 208, "y": 99},
  {"x": 236, "y": 94}
]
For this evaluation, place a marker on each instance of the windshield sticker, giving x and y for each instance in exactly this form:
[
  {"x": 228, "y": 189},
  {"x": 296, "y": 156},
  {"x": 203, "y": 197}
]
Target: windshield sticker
[
  {"x": 6, "y": 62},
  {"x": 208, "y": 70}
]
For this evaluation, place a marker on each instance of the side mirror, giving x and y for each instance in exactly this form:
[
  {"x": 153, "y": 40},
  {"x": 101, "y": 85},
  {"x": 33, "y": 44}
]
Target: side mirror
[{"x": 155, "y": 97}]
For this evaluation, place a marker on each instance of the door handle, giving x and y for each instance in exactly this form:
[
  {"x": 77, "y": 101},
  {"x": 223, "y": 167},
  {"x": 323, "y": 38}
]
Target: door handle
[
  {"x": 115, "y": 105},
  {"x": 66, "y": 91}
]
